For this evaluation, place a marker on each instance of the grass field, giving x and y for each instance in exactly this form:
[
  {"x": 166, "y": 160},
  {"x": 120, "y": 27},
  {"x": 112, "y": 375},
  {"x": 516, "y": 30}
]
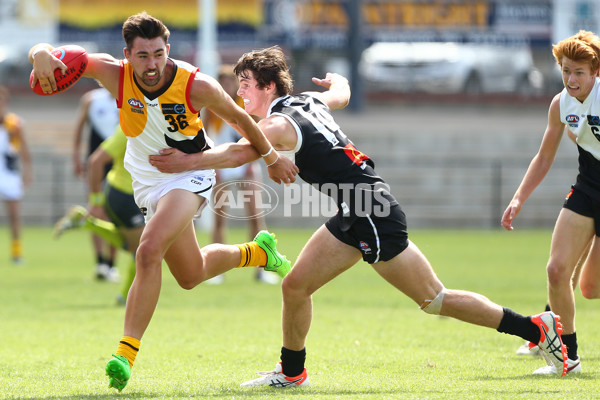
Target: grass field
[{"x": 58, "y": 327}]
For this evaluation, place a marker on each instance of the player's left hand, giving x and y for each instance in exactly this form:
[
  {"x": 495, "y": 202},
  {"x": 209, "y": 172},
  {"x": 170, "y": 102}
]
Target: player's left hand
[
  {"x": 329, "y": 79},
  {"x": 326, "y": 83},
  {"x": 170, "y": 160},
  {"x": 509, "y": 215}
]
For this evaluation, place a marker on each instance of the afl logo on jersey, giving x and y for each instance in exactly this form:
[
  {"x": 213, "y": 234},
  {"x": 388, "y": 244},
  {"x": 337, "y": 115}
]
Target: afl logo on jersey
[
  {"x": 573, "y": 120},
  {"x": 135, "y": 103}
]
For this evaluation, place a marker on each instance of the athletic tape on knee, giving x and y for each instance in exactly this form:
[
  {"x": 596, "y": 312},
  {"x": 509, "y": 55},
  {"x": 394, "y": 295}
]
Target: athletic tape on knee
[{"x": 434, "y": 306}]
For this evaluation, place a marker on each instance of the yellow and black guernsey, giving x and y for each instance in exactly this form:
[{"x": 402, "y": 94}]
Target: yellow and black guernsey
[{"x": 154, "y": 121}]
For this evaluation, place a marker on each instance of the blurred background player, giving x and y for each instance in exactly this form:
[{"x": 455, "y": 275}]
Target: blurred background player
[
  {"x": 97, "y": 111},
  {"x": 221, "y": 133},
  {"x": 13, "y": 148},
  {"x": 116, "y": 201}
]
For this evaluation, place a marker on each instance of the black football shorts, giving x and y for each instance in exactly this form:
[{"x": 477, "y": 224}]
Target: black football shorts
[{"x": 377, "y": 238}]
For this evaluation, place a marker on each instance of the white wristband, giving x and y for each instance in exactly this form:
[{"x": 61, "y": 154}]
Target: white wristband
[{"x": 267, "y": 153}]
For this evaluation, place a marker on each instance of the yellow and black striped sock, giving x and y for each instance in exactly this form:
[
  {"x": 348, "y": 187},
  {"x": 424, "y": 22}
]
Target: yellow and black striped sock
[
  {"x": 128, "y": 348},
  {"x": 251, "y": 255}
]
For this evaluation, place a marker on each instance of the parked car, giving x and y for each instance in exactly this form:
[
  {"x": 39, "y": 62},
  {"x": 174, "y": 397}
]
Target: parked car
[{"x": 450, "y": 67}]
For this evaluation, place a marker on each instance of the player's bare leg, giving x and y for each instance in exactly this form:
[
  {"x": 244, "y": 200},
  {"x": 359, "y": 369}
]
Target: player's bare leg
[
  {"x": 174, "y": 213},
  {"x": 411, "y": 273},
  {"x": 311, "y": 271},
  {"x": 173, "y": 216},
  {"x": 571, "y": 235},
  {"x": 209, "y": 261}
]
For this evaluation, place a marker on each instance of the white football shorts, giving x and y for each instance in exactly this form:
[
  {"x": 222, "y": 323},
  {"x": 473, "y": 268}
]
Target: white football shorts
[
  {"x": 11, "y": 186},
  {"x": 199, "y": 182}
]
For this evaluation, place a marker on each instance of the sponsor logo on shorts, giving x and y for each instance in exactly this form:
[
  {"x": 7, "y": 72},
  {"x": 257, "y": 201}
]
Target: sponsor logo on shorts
[
  {"x": 197, "y": 180},
  {"x": 364, "y": 247}
]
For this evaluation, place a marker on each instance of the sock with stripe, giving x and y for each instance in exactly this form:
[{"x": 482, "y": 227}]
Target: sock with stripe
[
  {"x": 128, "y": 347},
  {"x": 251, "y": 255}
]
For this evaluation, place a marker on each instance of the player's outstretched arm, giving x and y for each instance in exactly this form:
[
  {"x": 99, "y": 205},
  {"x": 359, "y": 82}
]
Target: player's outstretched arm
[
  {"x": 540, "y": 164},
  {"x": 227, "y": 155}
]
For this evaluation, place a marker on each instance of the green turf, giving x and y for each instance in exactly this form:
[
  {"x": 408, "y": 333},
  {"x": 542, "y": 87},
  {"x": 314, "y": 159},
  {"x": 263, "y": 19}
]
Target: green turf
[{"x": 58, "y": 328}]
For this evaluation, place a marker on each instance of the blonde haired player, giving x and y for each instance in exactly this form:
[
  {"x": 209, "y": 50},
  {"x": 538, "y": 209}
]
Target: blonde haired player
[{"x": 576, "y": 107}]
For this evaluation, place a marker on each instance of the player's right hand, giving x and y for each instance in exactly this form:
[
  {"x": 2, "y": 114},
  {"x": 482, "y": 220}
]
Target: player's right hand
[
  {"x": 283, "y": 170},
  {"x": 509, "y": 214},
  {"x": 44, "y": 65}
]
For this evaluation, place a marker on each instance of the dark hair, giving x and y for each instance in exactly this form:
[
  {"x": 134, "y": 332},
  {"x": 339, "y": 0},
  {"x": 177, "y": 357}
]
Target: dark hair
[
  {"x": 145, "y": 26},
  {"x": 584, "y": 46},
  {"x": 267, "y": 65}
]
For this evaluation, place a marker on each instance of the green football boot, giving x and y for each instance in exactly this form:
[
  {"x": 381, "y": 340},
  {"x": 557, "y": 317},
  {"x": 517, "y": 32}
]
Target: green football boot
[
  {"x": 275, "y": 262},
  {"x": 118, "y": 372}
]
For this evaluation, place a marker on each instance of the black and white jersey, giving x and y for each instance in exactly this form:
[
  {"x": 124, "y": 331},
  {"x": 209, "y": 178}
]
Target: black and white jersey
[
  {"x": 328, "y": 160},
  {"x": 583, "y": 119}
]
